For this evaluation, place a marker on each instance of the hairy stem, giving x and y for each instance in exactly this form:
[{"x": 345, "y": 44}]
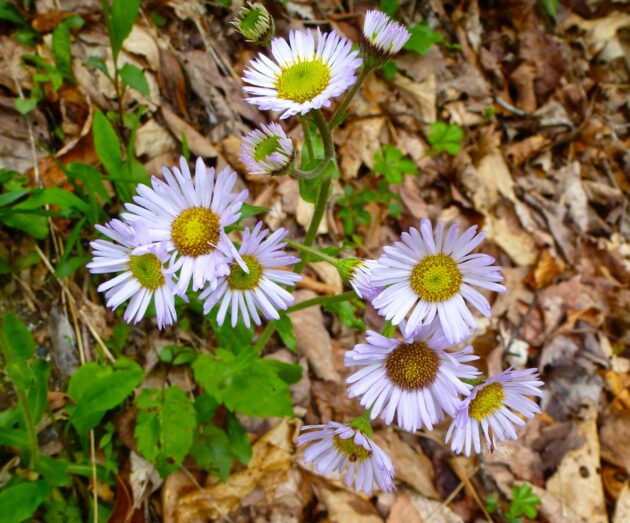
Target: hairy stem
[
  {"x": 340, "y": 113},
  {"x": 322, "y": 300},
  {"x": 308, "y": 140},
  {"x": 315, "y": 252}
]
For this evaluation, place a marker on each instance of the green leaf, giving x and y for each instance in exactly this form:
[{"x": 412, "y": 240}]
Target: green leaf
[
  {"x": 17, "y": 341},
  {"x": 20, "y": 501},
  {"x": 96, "y": 389},
  {"x": 211, "y": 450},
  {"x": 134, "y": 77},
  {"x": 14, "y": 438},
  {"x": 446, "y": 137},
  {"x": 232, "y": 338},
  {"x": 422, "y": 38},
  {"x": 285, "y": 330},
  {"x": 206, "y": 407},
  {"x": 524, "y": 502},
  {"x": 66, "y": 201},
  {"x": 389, "y": 70},
  {"x": 122, "y": 16},
  {"x": 551, "y": 7},
  {"x": 108, "y": 150},
  {"x": 389, "y": 7},
  {"x": 97, "y": 63},
  {"x": 239, "y": 442},
  {"x": 165, "y": 427},
  {"x": 37, "y": 394},
  {"x": 55, "y": 471},
  {"x": 63, "y": 510},
  {"x": 61, "y": 45},
  {"x": 10, "y": 13},
  {"x": 248, "y": 210},
  {"x": 25, "y": 105},
  {"x": 347, "y": 314},
  {"x": 393, "y": 164},
  {"x": 245, "y": 383}
]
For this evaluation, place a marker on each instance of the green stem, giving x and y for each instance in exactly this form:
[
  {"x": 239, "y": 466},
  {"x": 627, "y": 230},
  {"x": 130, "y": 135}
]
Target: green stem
[
  {"x": 315, "y": 252},
  {"x": 270, "y": 328},
  {"x": 340, "y": 113},
  {"x": 31, "y": 430},
  {"x": 322, "y": 300},
  {"x": 388, "y": 330},
  {"x": 314, "y": 173},
  {"x": 324, "y": 131},
  {"x": 308, "y": 140}
]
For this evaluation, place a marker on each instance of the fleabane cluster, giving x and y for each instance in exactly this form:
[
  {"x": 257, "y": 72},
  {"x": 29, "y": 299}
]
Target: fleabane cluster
[{"x": 172, "y": 238}]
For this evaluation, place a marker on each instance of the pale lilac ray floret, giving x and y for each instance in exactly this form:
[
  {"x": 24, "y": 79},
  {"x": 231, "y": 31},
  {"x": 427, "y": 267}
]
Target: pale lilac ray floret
[
  {"x": 431, "y": 274},
  {"x": 493, "y": 410},
  {"x": 190, "y": 215},
  {"x": 244, "y": 293},
  {"x": 141, "y": 265},
  {"x": 361, "y": 280},
  {"x": 414, "y": 380},
  {"x": 384, "y": 35},
  {"x": 306, "y": 72},
  {"x": 267, "y": 150},
  {"x": 340, "y": 447}
]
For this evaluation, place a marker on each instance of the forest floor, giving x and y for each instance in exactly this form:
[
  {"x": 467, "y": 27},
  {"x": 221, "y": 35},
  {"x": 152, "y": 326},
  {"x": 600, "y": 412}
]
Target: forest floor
[{"x": 543, "y": 165}]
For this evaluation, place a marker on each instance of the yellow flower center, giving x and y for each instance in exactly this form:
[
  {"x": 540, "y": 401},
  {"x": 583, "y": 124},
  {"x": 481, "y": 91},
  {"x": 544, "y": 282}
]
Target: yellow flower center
[
  {"x": 266, "y": 148},
  {"x": 241, "y": 280},
  {"x": 487, "y": 400},
  {"x": 303, "y": 81},
  {"x": 436, "y": 278},
  {"x": 196, "y": 231},
  {"x": 412, "y": 366},
  {"x": 349, "y": 448},
  {"x": 147, "y": 269}
]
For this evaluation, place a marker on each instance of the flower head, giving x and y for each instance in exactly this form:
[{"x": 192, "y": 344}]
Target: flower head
[
  {"x": 414, "y": 379},
  {"x": 341, "y": 446},
  {"x": 361, "y": 280},
  {"x": 143, "y": 275},
  {"x": 382, "y": 36},
  {"x": 432, "y": 273},
  {"x": 243, "y": 293},
  {"x": 307, "y": 73},
  {"x": 190, "y": 216},
  {"x": 267, "y": 150},
  {"x": 492, "y": 407},
  {"x": 255, "y": 23}
]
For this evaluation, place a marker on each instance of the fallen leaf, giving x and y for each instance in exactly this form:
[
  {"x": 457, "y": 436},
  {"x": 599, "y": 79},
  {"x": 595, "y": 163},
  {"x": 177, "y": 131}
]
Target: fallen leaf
[
  {"x": 425, "y": 509},
  {"x": 357, "y": 143},
  {"x": 422, "y": 95},
  {"x": 347, "y": 507},
  {"x": 153, "y": 140},
  {"x": 622, "y": 509},
  {"x": 199, "y": 145},
  {"x": 614, "y": 437}
]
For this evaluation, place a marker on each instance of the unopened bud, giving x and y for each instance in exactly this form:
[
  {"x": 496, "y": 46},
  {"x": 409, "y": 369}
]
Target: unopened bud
[{"x": 255, "y": 23}]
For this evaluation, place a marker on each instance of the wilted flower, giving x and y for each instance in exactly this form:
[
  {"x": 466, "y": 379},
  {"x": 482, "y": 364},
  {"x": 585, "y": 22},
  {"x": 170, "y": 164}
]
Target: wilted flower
[{"x": 492, "y": 407}]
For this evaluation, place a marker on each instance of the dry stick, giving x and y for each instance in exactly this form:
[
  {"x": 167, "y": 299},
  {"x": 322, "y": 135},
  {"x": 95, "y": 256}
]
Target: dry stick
[{"x": 446, "y": 502}]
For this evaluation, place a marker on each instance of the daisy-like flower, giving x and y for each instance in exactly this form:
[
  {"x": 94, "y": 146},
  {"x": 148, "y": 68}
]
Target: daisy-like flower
[
  {"x": 492, "y": 407},
  {"x": 267, "y": 150},
  {"x": 341, "y": 446},
  {"x": 382, "y": 36},
  {"x": 190, "y": 216},
  {"x": 361, "y": 280},
  {"x": 259, "y": 288},
  {"x": 414, "y": 379},
  {"x": 430, "y": 274},
  {"x": 307, "y": 73},
  {"x": 143, "y": 275}
]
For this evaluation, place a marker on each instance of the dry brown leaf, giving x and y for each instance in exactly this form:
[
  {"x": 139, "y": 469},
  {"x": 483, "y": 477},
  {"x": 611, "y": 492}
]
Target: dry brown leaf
[
  {"x": 547, "y": 269},
  {"x": 153, "y": 140},
  {"x": 614, "y": 438},
  {"x": 412, "y": 466},
  {"x": 426, "y": 510},
  {"x": 602, "y": 33},
  {"x": 346, "y": 507},
  {"x": 622, "y": 509},
  {"x": 517, "y": 243},
  {"x": 304, "y": 213},
  {"x": 268, "y": 467},
  {"x": 328, "y": 274},
  {"x": 421, "y": 94},
  {"x": 312, "y": 338},
  {"x": 403, "y": 511},
  {"x": 577, "y": 482},
  {"x": 358, "y": 141},
  {"x": 199, "y": 145}
]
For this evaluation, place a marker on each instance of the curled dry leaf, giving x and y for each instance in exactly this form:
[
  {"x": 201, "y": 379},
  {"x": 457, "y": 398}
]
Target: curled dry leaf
[
  {"x": 412, "y": 508},
  {"x": 268, "y": 467},
  {"x": 347, "y": 507}
]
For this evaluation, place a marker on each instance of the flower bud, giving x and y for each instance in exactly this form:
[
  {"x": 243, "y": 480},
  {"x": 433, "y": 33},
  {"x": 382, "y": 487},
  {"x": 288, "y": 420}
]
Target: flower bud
[{"x": 255, "y": 23}]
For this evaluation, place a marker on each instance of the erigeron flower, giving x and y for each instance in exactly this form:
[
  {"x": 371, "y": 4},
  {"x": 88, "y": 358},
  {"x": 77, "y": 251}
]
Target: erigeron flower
[
  {"x": 432, "y": 273},
  {"x": 492, "y": 407},
  {"x": 243, "y": 293},
  {"x": 306, "y": 72},
  {"x": 339, "y": 447},
  {"x": 267, "y": 150},
  {"x": 190, "y": 215},
  {"x": 361, "y": 280},
  {"x": 255, "y": 23},
  {"x": 143, "y": 275},
  {"x": 382, "y": 36},
  {"x": 415, "y": 379}
]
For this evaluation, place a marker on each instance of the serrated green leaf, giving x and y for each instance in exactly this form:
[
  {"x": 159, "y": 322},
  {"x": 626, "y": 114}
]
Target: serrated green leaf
[
  {"x": 524, "y": 502},
  {"x": 25, "y": 105},
  {"x": 422, "y": 38},
  {"x": 134, "y": 77},
  {"x": 285, "y": 330},
  {"x": 165, "y": 427},
  {"x": 240, "y": 447},
  {"x": 393, "y": 164},
  {"x": 123, "y": 14},
  {"x": 211, "y": 450},
  {"x": 20, "y": 501},
  {"x": 347, "y": 314},
  {"x": 445, "y": 137},
  {"x": 96, "y": 389},
  {"x": 61, "y": 45}
]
